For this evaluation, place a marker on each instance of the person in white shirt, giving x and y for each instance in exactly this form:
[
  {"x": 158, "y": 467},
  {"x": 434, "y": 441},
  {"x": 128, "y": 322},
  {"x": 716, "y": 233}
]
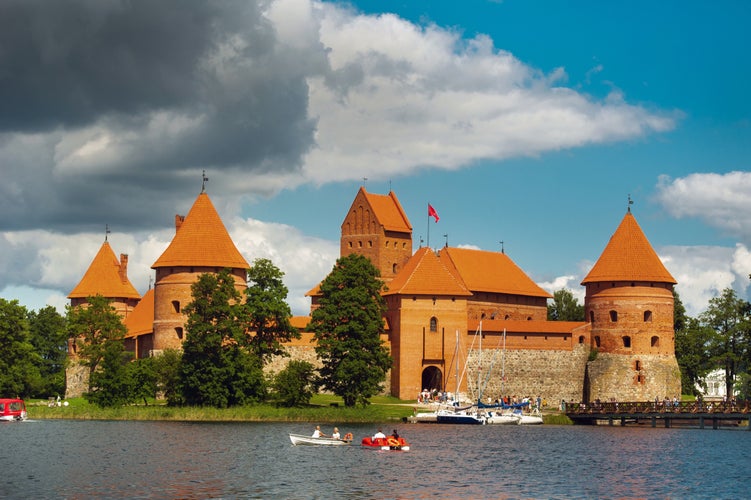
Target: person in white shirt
[
  {"x": 379, "y": 434},
  {"x": 317, "y": 433}
]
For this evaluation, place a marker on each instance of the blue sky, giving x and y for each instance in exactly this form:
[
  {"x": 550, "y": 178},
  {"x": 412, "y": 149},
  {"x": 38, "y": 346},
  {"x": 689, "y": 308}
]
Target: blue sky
[{"x": 524, "y": 122}]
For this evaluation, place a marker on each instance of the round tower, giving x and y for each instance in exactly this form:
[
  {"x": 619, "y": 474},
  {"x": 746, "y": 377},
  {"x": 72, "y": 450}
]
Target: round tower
[
  {"x": 201, "y": 245},
  {"x": 629, "y": 305}
]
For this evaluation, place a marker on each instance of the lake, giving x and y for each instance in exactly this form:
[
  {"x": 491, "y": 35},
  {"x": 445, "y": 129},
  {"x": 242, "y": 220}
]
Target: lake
[{"x": 114, "y": 459}]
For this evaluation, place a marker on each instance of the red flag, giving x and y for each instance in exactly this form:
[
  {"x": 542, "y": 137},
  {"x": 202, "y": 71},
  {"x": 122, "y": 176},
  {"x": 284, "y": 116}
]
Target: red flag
[{"x": 433, "y": 213}]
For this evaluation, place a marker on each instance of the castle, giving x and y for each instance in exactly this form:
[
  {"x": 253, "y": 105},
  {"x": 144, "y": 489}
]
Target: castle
[{"x": 452, "y": 314}]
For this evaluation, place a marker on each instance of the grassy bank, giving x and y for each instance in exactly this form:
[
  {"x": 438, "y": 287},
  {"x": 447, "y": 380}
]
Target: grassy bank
[{"x": 322, "y": 408}]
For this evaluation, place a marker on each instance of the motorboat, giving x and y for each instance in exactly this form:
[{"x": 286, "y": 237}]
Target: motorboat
[
  {"x": 12, "y": 410},
  {"x": 502, "y": 418},
  {"x": 460, "y": 417}
]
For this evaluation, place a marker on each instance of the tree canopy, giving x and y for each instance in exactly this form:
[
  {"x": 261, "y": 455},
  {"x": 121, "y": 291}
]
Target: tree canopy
[
  {"x": 19, "y": 362},
  {"x": 347, "y": 326},
  {"x": 565, "y": 307}
]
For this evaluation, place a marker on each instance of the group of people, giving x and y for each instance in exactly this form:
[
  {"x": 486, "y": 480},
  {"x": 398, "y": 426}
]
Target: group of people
[
  {"x": 334, "y": 435},
  {"x": 317, "y": 433}
]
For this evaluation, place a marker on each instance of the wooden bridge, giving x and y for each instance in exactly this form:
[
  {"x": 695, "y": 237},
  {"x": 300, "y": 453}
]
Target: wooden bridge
[{"x": 695, "y": 414}]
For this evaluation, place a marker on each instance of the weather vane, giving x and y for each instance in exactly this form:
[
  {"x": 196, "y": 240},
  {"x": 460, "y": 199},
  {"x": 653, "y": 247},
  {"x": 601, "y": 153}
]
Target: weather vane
[
  {"x": 502, "y": 249},
  {"x": 630, "y": 202},
  {"x": 106, "y": 231},
  {"x": 203, "y": 182},
  {"x": 447, "y": 239}
]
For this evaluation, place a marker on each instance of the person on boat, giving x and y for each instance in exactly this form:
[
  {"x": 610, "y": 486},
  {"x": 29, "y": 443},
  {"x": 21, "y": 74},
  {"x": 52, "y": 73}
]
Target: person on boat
[
  {"x": 317, "y": 433},
  {"x": 335, "y": 434},
  {"x": 379, "y": 435},
  {"x": 395, "y": 435}
]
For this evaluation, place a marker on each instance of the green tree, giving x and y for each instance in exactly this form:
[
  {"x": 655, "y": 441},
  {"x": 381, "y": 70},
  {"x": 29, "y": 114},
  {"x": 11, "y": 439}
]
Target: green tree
[
  {"x": 110, "y": 384},
  {"x": 691, "y": 353},
  {"x": 92, "y": 329},
  {"x": 295, "y": 383},
  {"x": 216, "y": 368},
  {"x": 728, "y": 317},
  {"x": 143, "y": 379},
  {"x": 265, "y": 311},
  {"x": 19, "y": 363},
  {"x": 49, "y": 338},
  {"x": 565, "y": 307},
  {"x": 167, "y": 368},
  {"x": 347, "y": 326}
]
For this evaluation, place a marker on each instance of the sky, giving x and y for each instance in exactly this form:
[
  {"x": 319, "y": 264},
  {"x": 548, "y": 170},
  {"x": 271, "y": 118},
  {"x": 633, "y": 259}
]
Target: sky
[{"x": 527, "y": 125}]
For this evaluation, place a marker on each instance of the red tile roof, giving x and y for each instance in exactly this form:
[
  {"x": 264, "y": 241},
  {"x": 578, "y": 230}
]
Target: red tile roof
[
  {"x": 387, "y": 211},
  {"x": 141, "y": 320},
  {"x": 628, "y": 256},
  {"x": 426, "y": 274},
  {"x": 202, "y": 241},
  {"x": 103, "y": 277},
  {"x": 495, "y": 272}
]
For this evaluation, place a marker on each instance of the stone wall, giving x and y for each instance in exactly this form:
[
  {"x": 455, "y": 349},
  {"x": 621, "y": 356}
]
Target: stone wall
[
  {"x": 76, "y": 379},
  {"x": 633, "y": 378},
  {"x": 553, "y": 374}
]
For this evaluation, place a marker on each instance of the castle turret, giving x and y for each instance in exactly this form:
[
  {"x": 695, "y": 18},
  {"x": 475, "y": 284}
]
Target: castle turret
[
  {"x": 377, "y": 227},
  {"x": 201, "y": 245},
  {"x": 629, "y": 304}
]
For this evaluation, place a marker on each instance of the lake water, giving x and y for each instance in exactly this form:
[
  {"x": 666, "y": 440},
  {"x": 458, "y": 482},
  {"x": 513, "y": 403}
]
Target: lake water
[{"x": 95, "y": 459}]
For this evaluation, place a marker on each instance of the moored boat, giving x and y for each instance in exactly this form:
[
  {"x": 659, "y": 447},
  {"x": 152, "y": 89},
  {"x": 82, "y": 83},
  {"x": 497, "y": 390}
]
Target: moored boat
[
  {"x": 388, "y": 443},
  {"x": 502, "y": 418},
  {"x": 460, "y": 417},
  {"x": 12, "y": 410},
  {"x": 301, "y": 439}
]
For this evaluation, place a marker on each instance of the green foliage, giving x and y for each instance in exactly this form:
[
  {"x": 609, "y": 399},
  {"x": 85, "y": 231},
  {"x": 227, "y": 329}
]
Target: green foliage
[
  {"x": 216, "y": 368},
  {"x": 347, "y": 325},
  {"x": 167, "y": 369},
  {"x": 111, "y": 384},
  {"x": 691, "y": 352},
  {"x": 565, "y": 307},
  {"x": 92, "y": 329},
  {"x": 48, "y": 336},
  {"x": 19, "y": 363},
  {"x": 294, "y": 384},
  {"x": 142, "y": 379},
  {"x": 265, "y": 311},
  {"x": 730, "y": 319}
]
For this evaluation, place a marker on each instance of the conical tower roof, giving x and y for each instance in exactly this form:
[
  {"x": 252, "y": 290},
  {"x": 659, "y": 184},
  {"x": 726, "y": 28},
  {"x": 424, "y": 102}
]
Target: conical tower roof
[
  {"x": 629, "y": 257},
  {"x": 105, "y": 276},
  {"x": 202, "y": 241},
  {"x": 387, "y": 211}
]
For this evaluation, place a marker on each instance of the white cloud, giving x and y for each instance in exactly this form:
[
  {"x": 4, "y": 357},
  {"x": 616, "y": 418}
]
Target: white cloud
[{"x": 720, "y": 200}]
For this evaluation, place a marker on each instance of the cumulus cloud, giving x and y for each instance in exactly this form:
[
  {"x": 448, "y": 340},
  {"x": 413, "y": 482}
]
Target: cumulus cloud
[{"x": 720, "y": 200}]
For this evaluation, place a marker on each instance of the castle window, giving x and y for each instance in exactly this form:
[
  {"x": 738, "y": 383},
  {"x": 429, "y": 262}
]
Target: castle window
[
  {"x": 637, "y": 365},
  {"x": 370, "y": 244},
  {"x": 482, "y": 316},
  {"x": 393, "y": 268},
  {"x": 433, "y": 324},
  {"x": 529, "y": 318},
  {"x": 349, "y": 244},
  {"x": 627, "y": 341},
  {"x": 176, "y": 306},
  {"x": 614, "y": 316},
  {"x": 647, "y": 316},
  {"x": 506, "y": 317},
  {"x": 591, "y": 316},
  {"x": 655, "y": 341},
  {"x": 179, "y": 332},
  {"x": 581, "y": 339},
  {"x": 404, "y": 245},
  {"x": 359, "y": 244},
  {"x": 387, "y": 243},
  {"x": 597, "y": 341}
]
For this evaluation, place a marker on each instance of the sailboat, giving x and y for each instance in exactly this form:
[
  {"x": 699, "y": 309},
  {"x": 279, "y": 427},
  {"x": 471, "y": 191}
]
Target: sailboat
[{"x": 459, "y": 415}]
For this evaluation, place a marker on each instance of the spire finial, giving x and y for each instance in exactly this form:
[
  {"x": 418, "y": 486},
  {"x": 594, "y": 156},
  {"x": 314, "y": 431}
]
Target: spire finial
[
  {"x": 630, "y": 202},
  {"x": 502, "y": 249},
  {"x": 447, "y": 239},
  {"x": 106, "y": 231},
  {"x": 203, "y": 181}
]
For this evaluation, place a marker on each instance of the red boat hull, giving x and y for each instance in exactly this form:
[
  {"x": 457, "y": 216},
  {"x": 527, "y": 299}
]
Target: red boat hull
[{"x": 386, "y": 444}]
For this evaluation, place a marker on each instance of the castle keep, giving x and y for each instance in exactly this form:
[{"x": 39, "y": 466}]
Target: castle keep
[{"x": 455, "y": 317}]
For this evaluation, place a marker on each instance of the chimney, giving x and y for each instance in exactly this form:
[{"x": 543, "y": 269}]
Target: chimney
[
  {"x": 179, "y": 219},
  {"x": 123, "y": 267}
]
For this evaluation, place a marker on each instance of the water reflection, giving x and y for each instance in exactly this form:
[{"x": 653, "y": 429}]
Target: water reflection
[{"x": 84, "y": 459}]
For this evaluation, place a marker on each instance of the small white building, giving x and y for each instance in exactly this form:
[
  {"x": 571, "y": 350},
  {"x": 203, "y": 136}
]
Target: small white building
[{"x": 715, "y": 385}]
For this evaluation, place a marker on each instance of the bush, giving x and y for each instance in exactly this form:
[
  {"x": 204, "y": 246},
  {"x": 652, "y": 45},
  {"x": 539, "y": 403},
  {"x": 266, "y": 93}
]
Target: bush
[{"x": 294, "y": 384}]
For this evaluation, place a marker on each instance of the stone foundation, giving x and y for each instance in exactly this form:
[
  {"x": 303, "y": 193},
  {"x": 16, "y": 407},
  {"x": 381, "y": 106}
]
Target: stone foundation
[{"x": 633, "y": 378}]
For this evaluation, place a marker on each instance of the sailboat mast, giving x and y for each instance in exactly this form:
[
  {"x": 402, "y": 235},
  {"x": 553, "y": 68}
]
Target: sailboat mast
[{"x": 503, "y": 362}]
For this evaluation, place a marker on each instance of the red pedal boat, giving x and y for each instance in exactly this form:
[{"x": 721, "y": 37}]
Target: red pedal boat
[{"x": 386, "y": 444}]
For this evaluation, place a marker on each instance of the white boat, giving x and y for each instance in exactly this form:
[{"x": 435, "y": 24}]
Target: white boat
[
  {"x": 533, "y": 418},
  {"x": 301, "y": 439},
  {"x": 502, "y": 418}
]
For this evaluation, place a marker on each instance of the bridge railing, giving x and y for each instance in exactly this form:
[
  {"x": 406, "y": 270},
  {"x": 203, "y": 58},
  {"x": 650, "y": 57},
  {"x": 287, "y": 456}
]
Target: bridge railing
[{"x": 632, "y": 407}]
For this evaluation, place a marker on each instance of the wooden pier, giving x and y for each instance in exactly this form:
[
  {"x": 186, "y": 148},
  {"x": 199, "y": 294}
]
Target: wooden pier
[{"x": 667, "y": 413}]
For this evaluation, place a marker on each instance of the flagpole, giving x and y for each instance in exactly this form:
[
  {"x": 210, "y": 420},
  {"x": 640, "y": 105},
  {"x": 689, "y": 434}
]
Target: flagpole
[{"x": 428, "y": 230}]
